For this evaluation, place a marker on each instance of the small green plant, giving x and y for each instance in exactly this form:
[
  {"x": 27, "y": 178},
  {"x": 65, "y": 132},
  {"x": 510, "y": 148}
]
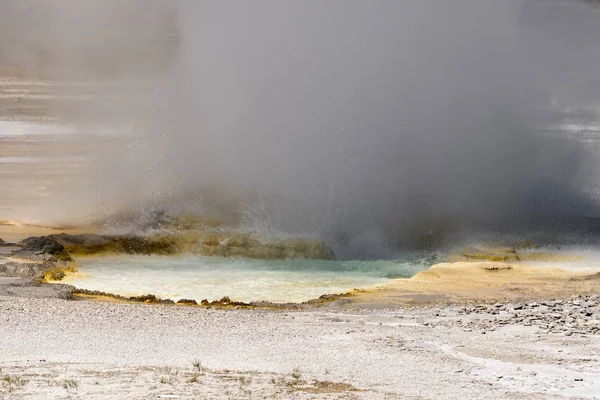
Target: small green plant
[
  {"x": 70, "y": 384},
  {"x": 168, "y": 376},
  {"x": 198, "y": 365},
  {"x": 67, "y": 383},
  {"x": 10, "y": 382}
]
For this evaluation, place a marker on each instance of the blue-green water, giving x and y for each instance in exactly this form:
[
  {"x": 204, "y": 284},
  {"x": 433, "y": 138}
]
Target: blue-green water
[{"x": 200, "y": 278}]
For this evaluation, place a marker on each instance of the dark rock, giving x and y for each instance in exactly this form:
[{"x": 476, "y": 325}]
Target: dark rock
[
  {"x": 89, "y": 244},
  {"x": 261, "y": 304},
  {"x": 44, "y": 248},
  {"x": 187, "y": 301},
  {"x": 4, "y": 243},
  {"x": 147, "y": 298},
  {"x": 23, "y": 269},
  {"x": 232, "y": 244}
]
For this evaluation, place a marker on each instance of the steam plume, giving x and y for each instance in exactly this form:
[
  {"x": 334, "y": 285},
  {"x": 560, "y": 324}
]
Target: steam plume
[{"x": 378, "y": 126}]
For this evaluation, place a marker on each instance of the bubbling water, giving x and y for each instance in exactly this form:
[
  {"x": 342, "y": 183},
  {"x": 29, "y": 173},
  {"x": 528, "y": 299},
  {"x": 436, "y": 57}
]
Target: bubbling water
[
  {"x": 200, "y": 278},
  {"x": 211, "y": 278}
]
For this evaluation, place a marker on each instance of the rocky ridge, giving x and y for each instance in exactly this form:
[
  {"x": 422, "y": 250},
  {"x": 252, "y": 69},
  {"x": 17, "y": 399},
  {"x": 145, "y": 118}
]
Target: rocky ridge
[{"x": 577, "y": 315}]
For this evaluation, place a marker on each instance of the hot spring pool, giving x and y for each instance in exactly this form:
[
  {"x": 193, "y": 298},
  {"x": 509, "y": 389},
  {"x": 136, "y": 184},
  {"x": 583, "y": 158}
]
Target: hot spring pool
[{"x": 200, "y": 278}]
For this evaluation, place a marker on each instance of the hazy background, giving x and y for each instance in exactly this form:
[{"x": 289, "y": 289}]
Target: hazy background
[
  {"x": 377, "y": 126},
  {"x": 73, "y": 39}
]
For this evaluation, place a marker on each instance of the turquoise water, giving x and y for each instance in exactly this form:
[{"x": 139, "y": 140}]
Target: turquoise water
[{"x": 242, "y": 280}]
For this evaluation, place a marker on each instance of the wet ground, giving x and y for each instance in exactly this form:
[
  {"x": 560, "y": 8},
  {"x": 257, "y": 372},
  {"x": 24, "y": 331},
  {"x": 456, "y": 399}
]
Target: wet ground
[{"x": 49, "y": 132}]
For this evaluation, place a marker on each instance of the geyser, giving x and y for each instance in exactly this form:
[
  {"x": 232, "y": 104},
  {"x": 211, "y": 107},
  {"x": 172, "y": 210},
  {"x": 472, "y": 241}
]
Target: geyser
[
  {"x": 377, "y": 126},
  {"x": 380, "y": 125}
]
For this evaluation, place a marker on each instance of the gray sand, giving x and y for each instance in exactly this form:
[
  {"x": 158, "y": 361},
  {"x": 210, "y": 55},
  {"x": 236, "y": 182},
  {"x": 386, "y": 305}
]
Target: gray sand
[
  {"x": 28, "y": 288},
  {"x": 147, "y": 351}
]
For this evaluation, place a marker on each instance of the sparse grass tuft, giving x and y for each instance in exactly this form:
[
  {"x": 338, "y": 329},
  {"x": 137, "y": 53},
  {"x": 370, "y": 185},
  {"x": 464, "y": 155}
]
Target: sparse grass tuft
[
  {"x": 70, "y": 384},
  {"x": 12, "y": 382},
  {"x": 197, "y": 365},
  {"x": 167, "y": 376},
  {"x": 325, "y": 387},
  {"x": 67, "y": 383}
]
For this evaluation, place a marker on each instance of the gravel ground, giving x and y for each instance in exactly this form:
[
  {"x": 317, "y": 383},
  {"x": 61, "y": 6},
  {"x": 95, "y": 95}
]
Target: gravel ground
[
  {"x": 29, "y": 288},
  {"x": 55, "y": 348}
]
